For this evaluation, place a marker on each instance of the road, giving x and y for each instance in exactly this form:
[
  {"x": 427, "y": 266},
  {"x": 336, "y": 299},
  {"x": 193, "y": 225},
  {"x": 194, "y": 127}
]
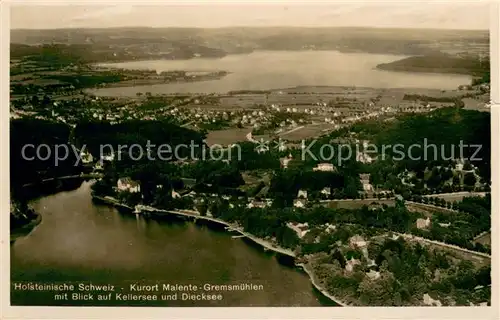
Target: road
[
  {"x": 290, "y": 131},
  {"x": 442, "y": 244}
]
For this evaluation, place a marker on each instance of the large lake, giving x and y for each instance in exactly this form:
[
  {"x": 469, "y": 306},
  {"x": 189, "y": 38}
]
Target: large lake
[
  {"x": 262, "y": 70},
  {"x": 79, "y": 241}
]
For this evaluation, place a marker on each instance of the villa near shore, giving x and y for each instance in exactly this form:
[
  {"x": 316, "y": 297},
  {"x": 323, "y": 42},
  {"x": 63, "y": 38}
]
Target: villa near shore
[
  {"x": 128, "y": 185},
  {"x": 325, "y": 167}
]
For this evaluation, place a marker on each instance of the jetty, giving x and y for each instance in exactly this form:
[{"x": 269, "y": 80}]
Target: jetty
[{"x": 112, "y": 201}]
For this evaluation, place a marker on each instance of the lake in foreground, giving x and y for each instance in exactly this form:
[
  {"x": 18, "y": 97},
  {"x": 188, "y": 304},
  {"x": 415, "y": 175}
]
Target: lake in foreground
[
  {"x": 267, "y": 70},
  {"x": 79, "y": 241}
]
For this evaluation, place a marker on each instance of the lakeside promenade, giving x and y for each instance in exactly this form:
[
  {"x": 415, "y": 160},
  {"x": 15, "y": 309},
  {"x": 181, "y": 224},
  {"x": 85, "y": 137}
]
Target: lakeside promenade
[
  {"x": 231, "y": 227},
  {"x": 193, "y": 214}
]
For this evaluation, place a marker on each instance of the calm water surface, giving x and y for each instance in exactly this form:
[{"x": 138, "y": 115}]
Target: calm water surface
[
  {"x": 262, "y": 70},
  {"x": 78, "y": 240}
]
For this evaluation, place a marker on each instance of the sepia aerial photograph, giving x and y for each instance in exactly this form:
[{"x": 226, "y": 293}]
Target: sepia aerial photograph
[{"x": 250, "y": 155}]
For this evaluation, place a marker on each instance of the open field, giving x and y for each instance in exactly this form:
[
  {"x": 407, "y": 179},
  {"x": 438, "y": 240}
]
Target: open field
[
  {"x": 476, "y": 104},
  {"x": 484, "y": 239},
  {"x": 212, "y": 107},
  {"x": 255, "y": 177},
  {"x": 306, "y": 132},
  {"x": 356, "y": 204},
  {"x": 243, "y": 101},
  {"x": 427, "y": 210},
  {"x": 457, "y": 196},
  {"x": 227, "y": 136},
  {"x": 458, "y": 254}
]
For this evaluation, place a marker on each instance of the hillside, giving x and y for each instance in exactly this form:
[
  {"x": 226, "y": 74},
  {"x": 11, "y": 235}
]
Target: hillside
[
  {"x": 444, "y": 128},
  {"x": 118, "y": 44},
  {"x": 438, "y": 63},
  {"x": 94, "y": 134},
  {"x": 30, "y": 167}
]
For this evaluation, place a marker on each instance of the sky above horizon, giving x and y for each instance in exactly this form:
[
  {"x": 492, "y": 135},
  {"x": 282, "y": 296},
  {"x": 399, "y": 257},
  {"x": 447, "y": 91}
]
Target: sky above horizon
[{"x": 433, "y": 14}]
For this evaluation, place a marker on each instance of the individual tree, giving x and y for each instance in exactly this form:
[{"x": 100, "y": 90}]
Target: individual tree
[
  {"x": 467, "y": 166},
  {"x": 470, "y": 179},
  {"x": 202, "y": 208},
  {"x": 35, "y": 100}
]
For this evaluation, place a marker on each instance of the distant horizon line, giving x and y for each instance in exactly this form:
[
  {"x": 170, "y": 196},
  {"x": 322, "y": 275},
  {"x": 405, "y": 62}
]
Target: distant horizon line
[{"x": 250, "y": 27}]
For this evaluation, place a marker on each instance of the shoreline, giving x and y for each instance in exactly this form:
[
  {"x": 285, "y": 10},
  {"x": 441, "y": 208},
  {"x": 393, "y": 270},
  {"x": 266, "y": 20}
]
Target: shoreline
[
  {"x": 151, "y": 82},
  {"x": 298, "y": 89},
  {"x": 26, "y": 229},
  {"x": 318, "y": 287},
  {"x": 265, "y": 244},
  {"x": 144, "y": 78}
]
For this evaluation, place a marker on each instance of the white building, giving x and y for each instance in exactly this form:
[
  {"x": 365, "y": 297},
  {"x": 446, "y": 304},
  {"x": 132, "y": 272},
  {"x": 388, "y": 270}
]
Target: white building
[
  {"x": 349, "y": 267},
  {"x": 330, "y": 228},
  {"x": 98, "y": 166},
  {"x": 326, "y": 167},
  {"x": 460, "y": 165},
  {"x": 86, "y": 157},
  {"x": 373, "y": 275},
  {"x": 302, "y": 194},
  {"x": 256, "y": 204},
  {"x": 191, "y": 194},
  {"x": 357, "y": 242},
  {"x": 365, "y": 182},
  {"x": 363, "y": 157},
  {"x": 299, "y": 203},
  {"x": 128, "y": 185},
  {"x": 109, "y": 157},
  {"x": 431, "y": 302},
  {"x": 423, "y": 223},
  {"x": 300, "y": 228},
  {"x": 175, "y": 194},
  {"x": 326, "y": 191},
  {"x": 285, "y": 161}
]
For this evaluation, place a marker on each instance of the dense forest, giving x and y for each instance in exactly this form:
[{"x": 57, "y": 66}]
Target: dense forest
[
  {"x": 97, "y": 135},
  {"x": 44, "y": 136},
  {"x": 438, "y": 136},
  {"x": 245, "y": 39},
  {"x": 61, "y": 55},
  {"x": 440, "y": 63},
  {"x": 407, "y": 272}
]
